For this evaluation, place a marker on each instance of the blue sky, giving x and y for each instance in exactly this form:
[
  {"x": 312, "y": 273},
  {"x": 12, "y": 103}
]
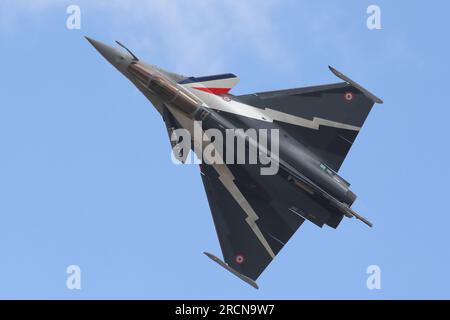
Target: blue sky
[{"x": 85, "y": 170}]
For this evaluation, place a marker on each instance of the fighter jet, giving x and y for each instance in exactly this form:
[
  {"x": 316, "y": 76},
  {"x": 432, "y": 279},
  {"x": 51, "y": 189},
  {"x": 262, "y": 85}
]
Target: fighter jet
[{"x": 256, "y": 214}]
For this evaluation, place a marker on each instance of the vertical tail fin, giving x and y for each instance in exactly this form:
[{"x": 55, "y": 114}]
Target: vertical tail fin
[{"x": 216, "y": 84}]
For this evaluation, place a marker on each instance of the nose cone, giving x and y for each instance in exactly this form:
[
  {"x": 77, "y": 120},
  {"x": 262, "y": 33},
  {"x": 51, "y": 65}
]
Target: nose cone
[
  {"x": 117, "y": 58},
  {"x": 108, "y": 52}
]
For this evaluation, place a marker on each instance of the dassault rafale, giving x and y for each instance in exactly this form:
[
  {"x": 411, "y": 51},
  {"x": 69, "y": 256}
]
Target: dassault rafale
[{"x": 256, "y": 212}]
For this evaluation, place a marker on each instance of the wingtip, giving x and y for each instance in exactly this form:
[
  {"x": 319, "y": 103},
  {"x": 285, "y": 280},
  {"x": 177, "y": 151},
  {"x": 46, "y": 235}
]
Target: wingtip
[
  {"x": 227, "y": 267},
  {"x": 379, "y": 101},
  {"x": 334, "y": 71},
  {"x": 340, "y": 75}
]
